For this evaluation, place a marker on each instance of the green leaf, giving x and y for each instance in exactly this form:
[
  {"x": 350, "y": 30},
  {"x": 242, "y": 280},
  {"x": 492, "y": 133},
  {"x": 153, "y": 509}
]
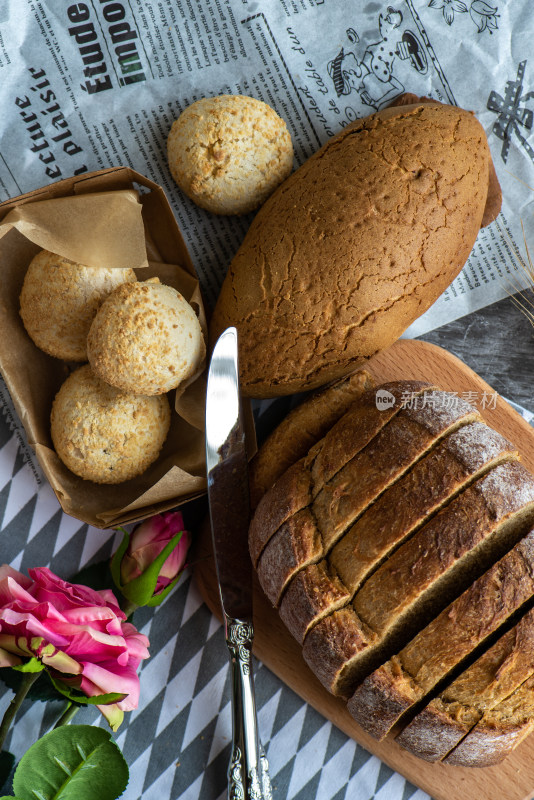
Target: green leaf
[
  {"x": 33, "y": 665},
  {"x": 115, "y": 565},
  {"x": 83, "y": 699},
  {"x": 156, "y": 599},
  {"x": 141, "y": 590},
  {"x": 74, "y": 762}
]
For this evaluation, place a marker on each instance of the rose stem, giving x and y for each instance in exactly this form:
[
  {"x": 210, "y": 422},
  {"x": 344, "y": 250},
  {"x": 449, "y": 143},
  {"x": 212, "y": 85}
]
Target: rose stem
[
  {"x": 70, "y": 711},
  {"x": 15, "y": 704},
  {"x": 129, "y": 607}
]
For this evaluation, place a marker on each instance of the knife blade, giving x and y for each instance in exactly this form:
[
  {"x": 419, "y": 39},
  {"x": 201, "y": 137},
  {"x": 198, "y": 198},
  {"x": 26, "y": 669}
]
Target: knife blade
[
  {"x": 228, "y": 495},
  {"x": 228, "y": 491}
]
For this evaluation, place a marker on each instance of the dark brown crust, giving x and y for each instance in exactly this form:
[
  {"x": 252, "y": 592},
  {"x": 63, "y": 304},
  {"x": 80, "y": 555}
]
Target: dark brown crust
[
  {"x": 407, "y": 436},
  {"x": 443, "y": 542},
  {"x": 498, "y": 732},
  {"x": 333, "y": 642},
  {"x": 433, "y": 481},
  {"x": 495, "y": 675},
  {"x": 389, "y": 454},
  {"x": 494, "y": 199},
  {"x": 319, "y": 589},
  {"x": 296, "y": 542},
  {"x": 433, "y": 735},
  {"x": 290, "y": 494},
  {"x": 487, "y": 745},
  {"x": 301, "y": 429},
  {"x": 378, "y": 698},
  {"x": 314, "y": 592},
  {"x": 358, "y": 427},
  {"x": 449, "y": 638}
]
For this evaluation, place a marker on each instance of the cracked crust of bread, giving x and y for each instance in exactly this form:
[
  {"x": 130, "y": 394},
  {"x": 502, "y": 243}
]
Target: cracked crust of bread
[
  {"x": 494, "y": 198},
  {"x": 104, "y": 435},
  {"x": 145, "y": 339},
  {"x": 354, "y": 246},
  {"x": 59, "y": 300},
  {"x": 229, "y": 153}
]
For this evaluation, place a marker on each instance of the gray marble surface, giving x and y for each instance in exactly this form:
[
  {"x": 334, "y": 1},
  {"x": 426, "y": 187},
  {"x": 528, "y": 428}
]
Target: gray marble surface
[{"x": 498, "y": 343}]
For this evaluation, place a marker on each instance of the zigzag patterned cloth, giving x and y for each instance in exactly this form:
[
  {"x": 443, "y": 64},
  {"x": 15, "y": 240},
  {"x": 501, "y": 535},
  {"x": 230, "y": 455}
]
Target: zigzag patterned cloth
[{"x": 177, "y": 742}]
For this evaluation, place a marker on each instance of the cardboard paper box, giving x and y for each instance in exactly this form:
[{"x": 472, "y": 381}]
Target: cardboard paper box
[{"x": 33, "y": 378}]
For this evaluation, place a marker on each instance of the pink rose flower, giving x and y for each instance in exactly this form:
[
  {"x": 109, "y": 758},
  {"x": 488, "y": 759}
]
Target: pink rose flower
[
  {"x": 80, "y": 636},
  {"x": 146, "y": 543}
]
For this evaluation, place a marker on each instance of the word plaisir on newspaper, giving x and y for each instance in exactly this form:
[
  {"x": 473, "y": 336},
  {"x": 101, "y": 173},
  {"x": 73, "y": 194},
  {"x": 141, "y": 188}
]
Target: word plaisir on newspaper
[
  {"x": 122, "y": 34},
  {"x": 56, "y": 131}
]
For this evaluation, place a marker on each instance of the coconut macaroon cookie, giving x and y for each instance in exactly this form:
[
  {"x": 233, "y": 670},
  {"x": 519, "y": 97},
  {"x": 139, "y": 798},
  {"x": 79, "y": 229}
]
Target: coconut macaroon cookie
[
  {"x": 59, "y": 300},
  {"x": 104, "y": 435},
  {"x": 228, "y": 153},
  {"x": 145, "y": 338}
]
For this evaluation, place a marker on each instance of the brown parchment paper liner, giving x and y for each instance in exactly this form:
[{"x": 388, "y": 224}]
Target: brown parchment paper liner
[
  {"x": 60, "y": 225},
  {"x": 33, "y": 378}
]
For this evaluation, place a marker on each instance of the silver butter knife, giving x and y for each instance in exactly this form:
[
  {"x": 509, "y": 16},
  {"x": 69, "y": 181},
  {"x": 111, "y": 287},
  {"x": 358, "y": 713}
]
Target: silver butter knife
[{"x": 228, "y": 495}]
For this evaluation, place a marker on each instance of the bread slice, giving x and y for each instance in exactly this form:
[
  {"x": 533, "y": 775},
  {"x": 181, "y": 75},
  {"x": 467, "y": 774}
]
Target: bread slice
[
  {"x": 397, "y": 685},
  {"x": 448, "y": 542},
  {"x": 421, "y": 578},
  {"x": 404, "y": 440},
  {"x": 360, "y": 425},
  {"x": 303, "y": 427},
  {"x": 499, "y": 731},
  {"x": 315, "y": 592},
  {"x": 448, "y": 718},
  {"x": 290, "y": 494},
  {"x": 295, "y": 489},
  {"x": 298, "y": 541},
  {"x": 461, "y": 458}
]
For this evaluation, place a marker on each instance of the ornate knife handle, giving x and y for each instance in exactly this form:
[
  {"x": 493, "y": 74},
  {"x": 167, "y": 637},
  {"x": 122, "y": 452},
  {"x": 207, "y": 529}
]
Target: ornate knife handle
[{"x": 248, "y": 775}]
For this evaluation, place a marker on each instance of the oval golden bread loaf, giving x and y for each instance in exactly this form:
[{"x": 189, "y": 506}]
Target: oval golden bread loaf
[{"x": 355, "y": 245}]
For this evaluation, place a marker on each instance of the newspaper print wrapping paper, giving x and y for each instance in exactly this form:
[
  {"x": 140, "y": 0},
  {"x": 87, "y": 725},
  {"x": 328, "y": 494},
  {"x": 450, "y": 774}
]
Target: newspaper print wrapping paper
[{"x": 89, "y": 85}]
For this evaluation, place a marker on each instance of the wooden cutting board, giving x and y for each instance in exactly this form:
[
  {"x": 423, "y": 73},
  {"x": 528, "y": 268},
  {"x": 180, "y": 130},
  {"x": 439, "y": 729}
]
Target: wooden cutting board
[{"x": 274, "y": 645}]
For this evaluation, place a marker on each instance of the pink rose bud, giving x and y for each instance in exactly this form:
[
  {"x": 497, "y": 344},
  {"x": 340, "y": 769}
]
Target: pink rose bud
[
  {"x": 146, "y": 543},
  {"x": 79, "y": 635}
]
